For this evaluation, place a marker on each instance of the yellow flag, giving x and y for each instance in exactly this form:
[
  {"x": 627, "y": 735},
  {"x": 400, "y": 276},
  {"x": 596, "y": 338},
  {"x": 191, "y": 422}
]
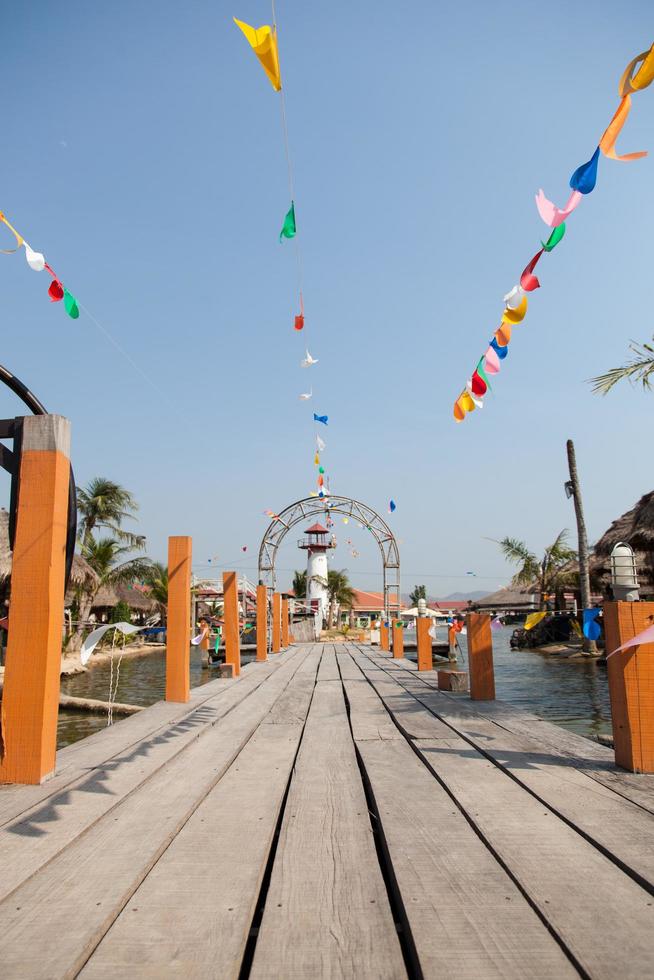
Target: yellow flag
[
  {"x": 533, "y": 619},
  {"x": 263, "y": 41},
  {"x": 515, "y": 316}
]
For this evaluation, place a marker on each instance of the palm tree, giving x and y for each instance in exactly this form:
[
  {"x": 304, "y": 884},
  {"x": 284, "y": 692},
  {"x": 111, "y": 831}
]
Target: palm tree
[
  {"x": 639, "y": 369},
  {"x": 109, "y": 561},
  {"x": 156, "y": 577},
  {"x": 300, "y": 584},
  {"x": 549, "y": 572},
  {"x": 104, "y": 503},
  {"x": 339, "y": 591}
]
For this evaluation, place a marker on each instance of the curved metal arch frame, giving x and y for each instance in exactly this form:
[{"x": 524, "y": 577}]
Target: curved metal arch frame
[{"x": 310, "y": 507}]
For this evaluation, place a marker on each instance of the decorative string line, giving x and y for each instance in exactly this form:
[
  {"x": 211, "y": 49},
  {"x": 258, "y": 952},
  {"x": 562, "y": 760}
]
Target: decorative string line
[{"x": 122, "y": 351}]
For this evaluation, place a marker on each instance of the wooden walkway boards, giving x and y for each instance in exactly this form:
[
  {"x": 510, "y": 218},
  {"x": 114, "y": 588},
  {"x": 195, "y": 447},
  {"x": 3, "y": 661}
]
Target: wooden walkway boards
[{"x": 329, "y": 814}]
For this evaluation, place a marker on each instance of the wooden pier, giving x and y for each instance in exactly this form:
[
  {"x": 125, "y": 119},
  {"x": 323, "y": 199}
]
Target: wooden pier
[{"x": 330, "y": 813}]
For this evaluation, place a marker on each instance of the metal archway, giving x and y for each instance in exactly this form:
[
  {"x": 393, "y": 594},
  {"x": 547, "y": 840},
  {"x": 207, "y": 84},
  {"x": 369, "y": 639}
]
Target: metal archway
[{"x": 309, "y": 507}]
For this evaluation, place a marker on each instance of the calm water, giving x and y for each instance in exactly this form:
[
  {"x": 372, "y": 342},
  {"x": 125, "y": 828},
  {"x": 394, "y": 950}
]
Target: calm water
[{"x": 573, "y": 694}]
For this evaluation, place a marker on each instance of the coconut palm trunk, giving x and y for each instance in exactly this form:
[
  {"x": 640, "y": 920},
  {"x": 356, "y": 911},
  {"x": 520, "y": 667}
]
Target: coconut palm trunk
[{"x": 588, "y": 646}]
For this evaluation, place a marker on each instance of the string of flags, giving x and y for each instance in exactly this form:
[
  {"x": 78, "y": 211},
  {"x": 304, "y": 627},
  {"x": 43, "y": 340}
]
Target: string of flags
[
  {"x": 36, "y": 261},
  {"x": 637, "y": 76},
  {"x": 264, "y": 42}
]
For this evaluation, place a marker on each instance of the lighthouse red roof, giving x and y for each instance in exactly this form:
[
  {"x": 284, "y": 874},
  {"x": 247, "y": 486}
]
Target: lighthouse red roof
[{"x": 316, "y": 529}]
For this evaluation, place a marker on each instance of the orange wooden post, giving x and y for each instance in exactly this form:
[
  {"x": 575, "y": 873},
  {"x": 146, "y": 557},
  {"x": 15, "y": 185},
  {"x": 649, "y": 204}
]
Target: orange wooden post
[
  {"x": 178, "y": 629},
  {"x": 204, "y": 642},
  {"x": 398, "y": 641},
  {"x": 383, "y": 636},
  {"x": 276, "y": 623},
  {"x": 480, "y": 657},
  {"x": 423, "y": 640},
  {"x": 230, "y": 616},
  {"x": 30, "y": 704},
  {"x": 631, "y": 684},
  {"x": 285, "y": 629},
  {"x": 262, "y": 622}
]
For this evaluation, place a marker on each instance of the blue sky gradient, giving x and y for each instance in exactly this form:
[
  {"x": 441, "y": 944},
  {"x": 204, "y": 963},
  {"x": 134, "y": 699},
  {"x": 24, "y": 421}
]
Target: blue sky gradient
[{"x": 144, "y": 156}]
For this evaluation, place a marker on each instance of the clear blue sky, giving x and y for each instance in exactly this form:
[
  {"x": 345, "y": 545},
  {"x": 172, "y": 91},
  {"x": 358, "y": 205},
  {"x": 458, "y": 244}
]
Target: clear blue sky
[{"x": 143, "y": 155}]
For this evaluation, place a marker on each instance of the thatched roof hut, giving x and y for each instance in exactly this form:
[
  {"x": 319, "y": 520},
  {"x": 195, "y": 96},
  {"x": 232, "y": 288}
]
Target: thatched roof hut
[
  {"x": 636, "y": 528},
  {"x": 508, "y": 600},
  {"x": 108, "y": 597},
  {"x": 81, "y": 572}
]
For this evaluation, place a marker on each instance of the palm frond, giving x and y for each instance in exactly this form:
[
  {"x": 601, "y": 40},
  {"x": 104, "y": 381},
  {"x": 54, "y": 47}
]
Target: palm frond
[{"x": 639, "y": 369}]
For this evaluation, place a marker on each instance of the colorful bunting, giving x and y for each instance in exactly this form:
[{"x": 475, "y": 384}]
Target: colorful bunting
[
  {"x": 392, "y": 506},
  {"x": 636, "y": 77},
  {"x": 321, "y": 418},
  {"x": 308, "y": 360},
  {"x": 36, "y": 261},
  {"x": 289, "y": 228},
  {"x": 263, "y": 41}
]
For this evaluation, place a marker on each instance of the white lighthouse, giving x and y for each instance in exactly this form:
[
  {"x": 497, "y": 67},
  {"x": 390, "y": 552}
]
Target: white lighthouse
[{"x": 316, "y": 546}]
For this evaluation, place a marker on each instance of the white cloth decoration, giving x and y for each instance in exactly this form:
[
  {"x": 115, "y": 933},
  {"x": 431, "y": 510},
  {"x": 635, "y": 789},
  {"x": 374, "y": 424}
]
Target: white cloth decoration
[{"x": 92, "y": 640}]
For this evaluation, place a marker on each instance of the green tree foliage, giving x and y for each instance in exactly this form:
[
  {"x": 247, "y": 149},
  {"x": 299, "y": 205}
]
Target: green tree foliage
[
  {"x": 121, "y": 613},
  {"x": 419, "y": 592},
  {"x": 156, "y": 577},
  {"x": 105, "y": 504},
  {"x": 639, "y": 369},
  {"x": 300, "y": 584},
  {"x": 548, "y": 574},
  {"x": 339, "y": 592}
]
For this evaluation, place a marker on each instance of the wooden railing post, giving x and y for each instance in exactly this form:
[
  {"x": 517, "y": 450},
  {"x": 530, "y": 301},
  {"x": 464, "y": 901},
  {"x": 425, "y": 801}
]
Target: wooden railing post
[
  {"x": 30, "y": 705},
  {"x": 631, "y": 684},
  {"x": 423, "y": 642},
  {"x": 285, "y": 630},
  {"x": 262, "y": 622},
  {"x": 480, "y": 657},
  {"x": 398, "y": 640},
  {"x": 383, "y": 636},
  {"x": 276, "y": 623},
  {"x": 178, "y": 628},
  {"x": 230, "y": 616}
]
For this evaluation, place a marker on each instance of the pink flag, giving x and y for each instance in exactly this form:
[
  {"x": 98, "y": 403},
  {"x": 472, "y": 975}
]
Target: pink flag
[
  {"x": 549, "y": 212},
  {"x": 647, "y": 636},
  {"x": 491, "y": 361}
]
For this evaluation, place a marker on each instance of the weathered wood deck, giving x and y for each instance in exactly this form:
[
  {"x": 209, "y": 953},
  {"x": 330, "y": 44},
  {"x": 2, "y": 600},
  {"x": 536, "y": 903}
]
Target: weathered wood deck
[{"x": 329, "y": 814}]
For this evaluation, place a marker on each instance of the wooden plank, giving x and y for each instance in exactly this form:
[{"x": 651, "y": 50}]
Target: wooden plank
[
  {"x": 366, "y": 719},
  {"x": 191, "y": 916},
  {"x": 593, "y": 810},
  {"x": 54, "y": 920},
  {"x": 327, "y": 912},
  {"x": 328, "y": 670},
  {"x": 467, "y": 918},
  {"x": 596, "y": 910},
  {"x": 77, "y": 759}
]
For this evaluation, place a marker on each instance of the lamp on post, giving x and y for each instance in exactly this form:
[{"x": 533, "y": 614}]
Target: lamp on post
[{"x": 624, "y": 581}]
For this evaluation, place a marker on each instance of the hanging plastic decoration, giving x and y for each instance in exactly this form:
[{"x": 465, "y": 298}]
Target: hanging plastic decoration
[
  {"x": 392, "y": 506},
  {"x": 263, "y": 41},
  {"x": 36, "y": 262},
  {"x": 308, "y": 360},
  {"x": 637, "y": 76},
  {"x": 299, "y": 319},
  {"x": 321, "y": 418},
  {"x": 306, "y": 395},
  {"x": 289, "y": 228}
]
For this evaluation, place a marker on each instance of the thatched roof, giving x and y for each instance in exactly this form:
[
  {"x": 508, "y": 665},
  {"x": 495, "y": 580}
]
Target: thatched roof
[
  {"x": 110, "y": 596},
  {"x": 508, "y": 599},
  {"x": 636, "y": 528},
  {"x": 81, "y": 573}
]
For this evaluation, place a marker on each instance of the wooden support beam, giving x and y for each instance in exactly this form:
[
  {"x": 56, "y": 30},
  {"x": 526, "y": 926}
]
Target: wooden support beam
[
  {"x": 276, "y": 622},
  {"x": 28, "y": 723},
  {"x": 398, "y": 640},
  {"x": 452, "y": 680},
  {"x": 262, "y": 622},
  {"x": 383, "y": 636},
  {"x": 285, "y": 629},
  {"x": 423, "y": 642},
  {"x": 178, "y": 630},
  {"x": 631, "y": 684},
  {"x": 230, "y": 616},
  {"x": 480, "y": 657}
]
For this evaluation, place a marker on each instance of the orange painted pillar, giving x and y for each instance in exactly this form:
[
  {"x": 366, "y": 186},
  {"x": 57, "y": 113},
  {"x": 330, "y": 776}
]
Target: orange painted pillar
[
  {"x": 631, "y": 684},
  {"x": 230, "y": 616},
  {"x": 262, "y": 622},
  {"x": 480, "y": 657},
  {"x": 204, "y": 642},
  {"x": 285, "y": 630},
  {"x": 178, "y": 629},
  {"x": 398, "y": 640},
  {"x": 276, "y": 623},
  {"x": 30, "y": 704},
  {"x": 383, "y": 636},
  {"x": 423, "y": 640}
]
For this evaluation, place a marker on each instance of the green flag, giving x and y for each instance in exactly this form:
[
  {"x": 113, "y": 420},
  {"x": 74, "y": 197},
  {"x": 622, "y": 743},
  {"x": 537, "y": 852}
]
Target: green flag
[
  {"x": 554, "y": 238},
  {"x": 289, "y": 228},
  {"x": 70, "y": 303}
]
